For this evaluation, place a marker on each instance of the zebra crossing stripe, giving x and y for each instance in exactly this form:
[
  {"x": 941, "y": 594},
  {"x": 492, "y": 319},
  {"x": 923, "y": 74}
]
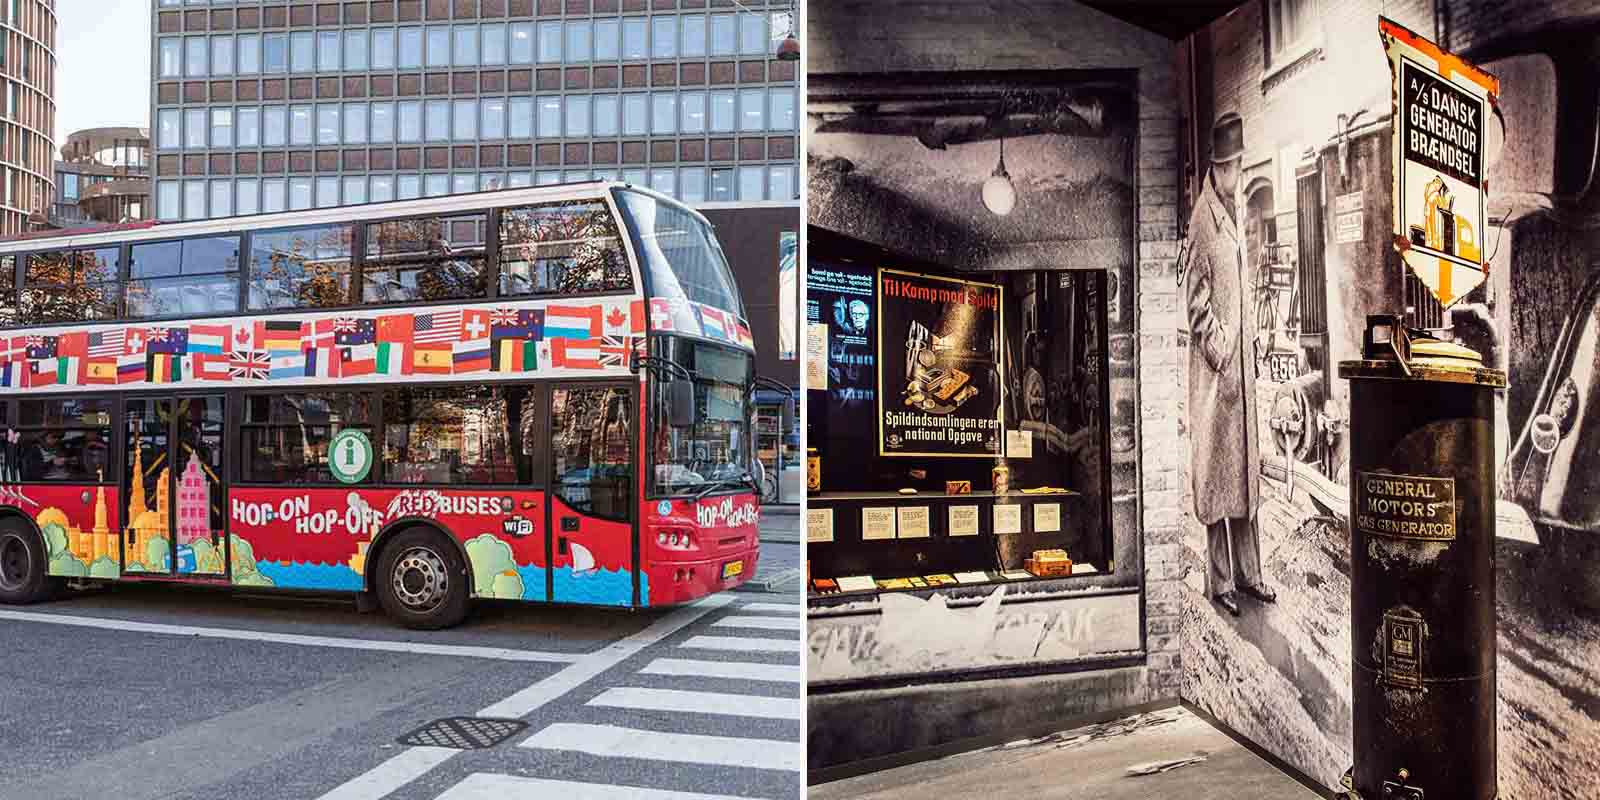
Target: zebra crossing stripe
[
  {"x": 486, "y": 786},
  {"x": 736, "y": 670},
  {"x": 613, "y": 741},
  {"x": 784, "y": 608},
  {"x": 676, "y": 701},
  {"x": 740, "y": 644},
  {"x": 760, "y": 623}
]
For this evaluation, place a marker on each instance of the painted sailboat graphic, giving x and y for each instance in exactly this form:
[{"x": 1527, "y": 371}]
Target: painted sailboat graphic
[{"x": 582, "y": 560}]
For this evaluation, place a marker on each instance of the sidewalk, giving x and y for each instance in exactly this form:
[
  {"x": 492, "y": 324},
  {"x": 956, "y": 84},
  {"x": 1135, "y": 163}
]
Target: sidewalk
[{"x": 780, "y": 571}]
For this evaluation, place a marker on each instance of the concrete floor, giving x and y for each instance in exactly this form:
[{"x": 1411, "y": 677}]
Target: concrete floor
[{"x": 1166, "y": 753}]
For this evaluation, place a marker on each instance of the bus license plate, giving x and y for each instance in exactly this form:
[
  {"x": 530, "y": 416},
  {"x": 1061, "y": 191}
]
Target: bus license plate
[{"x": 732, "y": 569}]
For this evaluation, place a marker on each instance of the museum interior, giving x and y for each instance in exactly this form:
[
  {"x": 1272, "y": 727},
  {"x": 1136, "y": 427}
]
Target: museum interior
[{"x": 1196, "y": 398}]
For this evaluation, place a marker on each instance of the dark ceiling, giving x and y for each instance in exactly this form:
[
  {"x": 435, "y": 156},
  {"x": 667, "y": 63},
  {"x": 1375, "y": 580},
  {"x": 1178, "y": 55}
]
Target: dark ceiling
[{"x": 1173, "y": 19}]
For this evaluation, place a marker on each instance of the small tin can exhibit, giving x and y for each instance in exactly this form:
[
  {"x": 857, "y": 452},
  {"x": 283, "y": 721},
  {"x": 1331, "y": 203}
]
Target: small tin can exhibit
[{"x": 813, "y": 471}]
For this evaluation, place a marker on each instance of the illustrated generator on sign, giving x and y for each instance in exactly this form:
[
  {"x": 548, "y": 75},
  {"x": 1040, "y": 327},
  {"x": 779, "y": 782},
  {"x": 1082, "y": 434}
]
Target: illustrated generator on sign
[{"x": 1440, "y": 189}]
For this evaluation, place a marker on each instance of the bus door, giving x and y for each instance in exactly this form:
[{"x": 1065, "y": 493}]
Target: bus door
[
  {"x": 592, "y": 548},
  {"x": 173, "y": 482}
]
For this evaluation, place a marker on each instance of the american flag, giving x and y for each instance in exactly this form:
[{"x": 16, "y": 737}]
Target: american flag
[
  {"x": 443, "y": 326},
  {"x": 107, "y": 344},
  {"x": 253, "y": 365}
]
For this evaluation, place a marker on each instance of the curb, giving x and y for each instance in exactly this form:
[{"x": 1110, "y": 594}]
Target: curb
[
  {"x": 771, "y": 539},
  {"x": 785, "y": 582},
  {"x": 788, "y": 510}
]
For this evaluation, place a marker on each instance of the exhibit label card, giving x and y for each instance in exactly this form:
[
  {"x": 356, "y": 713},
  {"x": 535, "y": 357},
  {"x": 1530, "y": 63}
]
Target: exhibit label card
[
  {"x": 857, "y": 583},
  {"x": 914, "y": 522},
  {"x": 877, "y": 523},
  {"x": 963, "y": 521},
  {"x": 1046, "y": 517},
  {"x": 1019, "y": 444},
  {"x": 819, "y": 525},
  {"x": 971, "y": 577},
  {"x": 817, "y": 355},
  {"x": 1007, "y": 518}
]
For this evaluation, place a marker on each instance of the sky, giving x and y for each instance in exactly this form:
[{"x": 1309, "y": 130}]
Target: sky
[{"x": 102, "y": 65}]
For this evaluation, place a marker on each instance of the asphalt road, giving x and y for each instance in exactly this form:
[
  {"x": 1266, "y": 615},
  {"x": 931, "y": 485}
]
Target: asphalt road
[{"x": 151, "y": 692}]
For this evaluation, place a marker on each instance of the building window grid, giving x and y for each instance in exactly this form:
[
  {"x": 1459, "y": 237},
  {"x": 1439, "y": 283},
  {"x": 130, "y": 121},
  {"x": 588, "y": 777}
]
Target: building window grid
[{"x": 684, "y": 51}]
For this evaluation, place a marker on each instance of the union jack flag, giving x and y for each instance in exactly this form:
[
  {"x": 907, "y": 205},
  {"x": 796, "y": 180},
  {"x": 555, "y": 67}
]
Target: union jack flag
[
  {"x": 505, "y": 317},
  {"x": 158, "y": 334},
  {"x": 344, "y": 325},
  {"x": 251, "y": 365},
  {"x": 614, "y": 351}
]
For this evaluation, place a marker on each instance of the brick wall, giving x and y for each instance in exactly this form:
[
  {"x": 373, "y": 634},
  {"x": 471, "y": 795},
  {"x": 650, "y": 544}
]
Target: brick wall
[{"x": 880, "y": 36}]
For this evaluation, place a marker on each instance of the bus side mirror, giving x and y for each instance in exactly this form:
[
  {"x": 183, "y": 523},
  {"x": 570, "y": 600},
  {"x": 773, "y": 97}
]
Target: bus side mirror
[
  {"x": 680, "y": 402},
  {"x": 788, "y": 417}
]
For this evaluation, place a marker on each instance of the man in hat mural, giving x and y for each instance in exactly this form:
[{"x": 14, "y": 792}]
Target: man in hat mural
[{"x": 1226, "y": 458}]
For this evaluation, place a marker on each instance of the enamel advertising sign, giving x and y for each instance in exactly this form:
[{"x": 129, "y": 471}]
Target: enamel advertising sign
[{"x": 1441, "y": 110}]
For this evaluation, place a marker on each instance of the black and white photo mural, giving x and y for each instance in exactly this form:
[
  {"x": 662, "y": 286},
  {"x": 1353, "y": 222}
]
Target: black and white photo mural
[{"x": 1287, "y": 183}]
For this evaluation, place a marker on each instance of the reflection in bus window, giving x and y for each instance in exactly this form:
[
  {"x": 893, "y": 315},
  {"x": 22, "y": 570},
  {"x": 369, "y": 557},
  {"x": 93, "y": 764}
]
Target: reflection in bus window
[
  {"x": 459, "y": 434},
  {"x": 431, "y": 258},
  {"x": 285, "y": 436},
  {"x": 63, "y": 440},
  {"x": 561, "y": 248},
  {"x": 194, "y": 276},
  {"x": 679, "y": 253},
  {"x": 8, "y": 290},
  {"x": 301, "y": 268},
  {"x": 70, "y": 286},
  {"x": 590, "y": 432},
  {"x": 716, "y": 448}
]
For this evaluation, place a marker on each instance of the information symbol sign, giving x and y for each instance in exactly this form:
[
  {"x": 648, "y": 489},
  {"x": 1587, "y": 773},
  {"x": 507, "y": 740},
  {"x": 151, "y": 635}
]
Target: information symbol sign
[{"x": 350, "y": 456}]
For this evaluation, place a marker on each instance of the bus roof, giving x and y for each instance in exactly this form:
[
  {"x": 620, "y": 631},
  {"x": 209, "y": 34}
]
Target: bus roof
[{"x": 447, "y": 204}]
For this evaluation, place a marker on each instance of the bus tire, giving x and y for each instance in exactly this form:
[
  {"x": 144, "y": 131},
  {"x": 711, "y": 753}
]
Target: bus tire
[
  {"x": 24, "y": 570},
  {"x": 422, "y": 581}
]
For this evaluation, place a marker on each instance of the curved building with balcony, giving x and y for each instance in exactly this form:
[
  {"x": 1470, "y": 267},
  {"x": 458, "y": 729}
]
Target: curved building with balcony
[
  {"x": 27, "y": 112},
  {"x": 103, "y": 177}
]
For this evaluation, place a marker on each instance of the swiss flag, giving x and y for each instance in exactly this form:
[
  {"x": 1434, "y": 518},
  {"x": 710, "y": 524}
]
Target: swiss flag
[{"x": 474, "y": 325}]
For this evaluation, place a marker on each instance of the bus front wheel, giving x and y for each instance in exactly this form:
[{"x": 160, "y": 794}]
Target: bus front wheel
[
  {"x": 422, "y": 581},
  {"x": 24, "y": 570}
]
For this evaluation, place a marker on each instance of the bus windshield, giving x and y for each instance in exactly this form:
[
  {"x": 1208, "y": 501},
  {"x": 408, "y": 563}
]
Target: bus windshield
[
  {"x": 715, "y": 451},
  {"x": 678, "y": 253}
]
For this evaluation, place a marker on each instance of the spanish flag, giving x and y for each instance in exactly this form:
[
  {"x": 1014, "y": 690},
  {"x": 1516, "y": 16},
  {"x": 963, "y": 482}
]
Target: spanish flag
[
  {"x": 100, "y": 370},
  {"x": 429, "y": 359}
]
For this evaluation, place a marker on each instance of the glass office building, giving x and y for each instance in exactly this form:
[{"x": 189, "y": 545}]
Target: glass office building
[{"x": 260, "y": 107}]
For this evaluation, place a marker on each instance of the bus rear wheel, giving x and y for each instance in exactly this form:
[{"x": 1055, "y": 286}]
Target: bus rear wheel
[
  {"x": 24, "y": 570},
  {"x": 422, "y": 582}
]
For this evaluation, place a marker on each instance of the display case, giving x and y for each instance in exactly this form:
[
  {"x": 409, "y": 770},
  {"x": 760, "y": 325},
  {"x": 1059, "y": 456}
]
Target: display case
[{"x": 961, "y": 427}]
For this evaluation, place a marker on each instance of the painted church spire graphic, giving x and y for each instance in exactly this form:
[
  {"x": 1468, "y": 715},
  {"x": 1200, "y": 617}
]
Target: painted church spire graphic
[{"x": 194, "y": 498}]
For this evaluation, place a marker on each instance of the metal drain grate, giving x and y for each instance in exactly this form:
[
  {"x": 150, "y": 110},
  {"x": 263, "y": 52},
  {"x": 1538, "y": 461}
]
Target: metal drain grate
[{"x": 463, "y": 733}]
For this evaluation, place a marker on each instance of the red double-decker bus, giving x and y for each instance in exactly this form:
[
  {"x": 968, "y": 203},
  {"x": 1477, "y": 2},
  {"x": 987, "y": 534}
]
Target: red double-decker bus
[{"x": 541, "y": 394}]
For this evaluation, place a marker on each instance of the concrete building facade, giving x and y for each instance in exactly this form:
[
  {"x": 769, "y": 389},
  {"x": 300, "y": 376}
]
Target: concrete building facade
[
  {"x": 103, "y": 177},
  {"x": 261, "y": 106},
  {"x": 27, "y": 111}
]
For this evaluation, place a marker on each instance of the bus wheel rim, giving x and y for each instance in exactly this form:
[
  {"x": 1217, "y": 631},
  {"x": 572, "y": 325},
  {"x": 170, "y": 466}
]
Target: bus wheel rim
[
  {"x": 15, "y": 562},
  {"x": 421, "y": 580}
]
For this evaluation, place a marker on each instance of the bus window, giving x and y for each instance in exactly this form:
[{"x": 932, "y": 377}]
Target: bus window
[
  {"x": 590, "y": 434},
  {"x": 457, "y": 435},
  {"x": 561, "y": 248},
  {"x": 70, "y": 286},
  {"x": 286, "y": 435},
  {"x": 193, "y": 276},
  {"x": 679, "y": 253},
  {"x": 431, "y": 258},
  {"x": 64, "y": 440},
  {"x": 8, "y": 290},
  {"x": 301, "y": 268}
]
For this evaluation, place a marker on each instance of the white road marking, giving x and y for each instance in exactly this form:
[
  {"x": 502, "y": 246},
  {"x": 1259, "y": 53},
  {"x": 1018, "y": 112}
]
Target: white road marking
[
  {"x": 769, "y": 607},
  {"x": 616, "y": 742},
  {"x": 742, "y": 644},
  {"x": 484, "y": 786},
  {"x": 339, "y": 642},
  {"x": 737, "y": 670},
  {"x": 761, "y": 623},
  {"x": 409, "y": 764},
  {"x": 673, "y": 700}
]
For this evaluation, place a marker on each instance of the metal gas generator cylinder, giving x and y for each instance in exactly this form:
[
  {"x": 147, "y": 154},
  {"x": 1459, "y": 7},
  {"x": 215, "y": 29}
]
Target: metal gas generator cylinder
[{"x": 1422, "y": 529}]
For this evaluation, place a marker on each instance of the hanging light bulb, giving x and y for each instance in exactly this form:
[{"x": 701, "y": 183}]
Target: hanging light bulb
[
  {"x": 999, "y": 196},
  {"x": 789, "y": 48}
]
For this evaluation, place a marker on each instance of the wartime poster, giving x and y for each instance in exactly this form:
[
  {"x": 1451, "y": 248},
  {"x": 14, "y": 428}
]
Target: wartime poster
[
  {"x": 1441, "y": 105},
  {"x": 940, "y": 374}
]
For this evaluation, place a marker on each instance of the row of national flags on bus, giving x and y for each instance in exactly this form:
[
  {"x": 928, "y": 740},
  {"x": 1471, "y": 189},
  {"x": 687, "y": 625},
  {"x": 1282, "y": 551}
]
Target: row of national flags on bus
[{"x": 434, "y": 341}]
